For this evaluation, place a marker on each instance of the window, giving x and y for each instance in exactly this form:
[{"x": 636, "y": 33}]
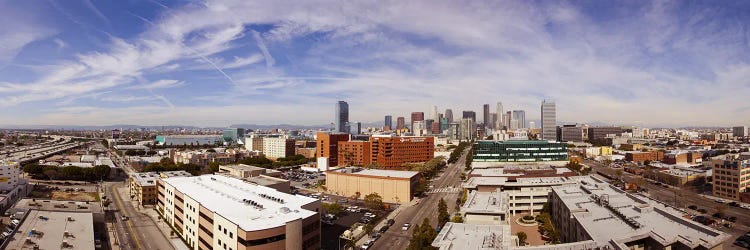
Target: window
[{"x": 231, "y": 235}]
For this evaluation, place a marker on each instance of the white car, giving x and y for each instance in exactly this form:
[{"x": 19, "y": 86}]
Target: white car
[
  {"x": 367, "y": 244},
  {"x": 405, "y": 227}
]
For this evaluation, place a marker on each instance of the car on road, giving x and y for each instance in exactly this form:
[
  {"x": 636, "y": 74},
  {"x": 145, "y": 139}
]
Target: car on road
[
  {"x": 405, "y": 227},
  {"x": 383, "y": 229},
  {"x": 367, "y": 244},
  {"x": 123, "y": 218},
  {"x": 390, "y": 222},
  {"x": 375, "y": 236},
  {"x": 742, "y": 244}
]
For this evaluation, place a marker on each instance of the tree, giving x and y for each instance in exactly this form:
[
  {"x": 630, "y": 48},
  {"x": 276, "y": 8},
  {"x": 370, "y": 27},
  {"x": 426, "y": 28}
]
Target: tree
[
  {"x": 522, "y": 238},
  {"x": 374, "y": 201},
  {"x": 100, "y": 171},
  {"x": 333, "y": 208},
  {"x": 457, "y": 218},
  {"x": 443, "y": 215},
  {"x": 422, "y": 236},
  {"x": 214, "y": 166}
]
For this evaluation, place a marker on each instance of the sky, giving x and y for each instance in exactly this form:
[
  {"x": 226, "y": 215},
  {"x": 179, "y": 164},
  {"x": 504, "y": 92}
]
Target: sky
[{"x": 217, "y": 63}]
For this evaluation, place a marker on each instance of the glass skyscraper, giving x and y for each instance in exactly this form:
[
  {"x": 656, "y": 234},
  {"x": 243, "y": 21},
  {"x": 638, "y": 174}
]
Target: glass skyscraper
[{"x": 342, "y": 117}]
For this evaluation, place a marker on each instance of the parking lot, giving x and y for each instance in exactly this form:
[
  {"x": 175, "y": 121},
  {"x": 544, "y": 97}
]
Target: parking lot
[
  {"x": 303, "y": 179},
  {"x": 331, "y": 233}
]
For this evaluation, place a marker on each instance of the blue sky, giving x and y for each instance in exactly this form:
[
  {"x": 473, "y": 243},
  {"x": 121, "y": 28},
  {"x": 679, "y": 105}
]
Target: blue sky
[{"x": 216, "y": 63}]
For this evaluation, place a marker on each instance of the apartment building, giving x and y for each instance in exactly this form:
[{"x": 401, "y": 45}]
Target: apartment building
[
  {"x": 278, "y": 147},
  {"x": 220, "y": 212},
  {"x": 143, "y": 185}
]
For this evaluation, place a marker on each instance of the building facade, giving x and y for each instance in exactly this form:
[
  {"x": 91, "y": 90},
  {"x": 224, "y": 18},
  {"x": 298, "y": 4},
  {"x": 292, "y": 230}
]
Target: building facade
[
  {"x": 572, "y": 133},
  {"x": 327, "y": 146},
  {"x": 644, "y": 156},
  {"x": 739, "y": 131},
  {"x": 388, "y": 124},
  {"x": 142, "y": 186},
  {"x": 731, "y": 177},
  {"x": 220, "y": 212},
  {"x": 169, "y": 140},
  {"x": 519, "y": 151},
  {"x": 393, "y": 186},
  {"x": 386, "y": 151},
  {"x": 416, "y": 116},
  {"x": 549, "y": 120},
  {"x": 596, "y": 133},
  {"x": 520, "y": 117},
  {"x": 400, "y": 122}
]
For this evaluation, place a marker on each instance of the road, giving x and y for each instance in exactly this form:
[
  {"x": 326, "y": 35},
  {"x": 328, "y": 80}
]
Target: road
[
  {"x": 683, "y": 197},
  {"x": 138, "y": 231},
  {"x": 395, "y": 238}
]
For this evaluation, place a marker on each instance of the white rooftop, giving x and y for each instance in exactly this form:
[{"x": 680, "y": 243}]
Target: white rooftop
[
  {"x": 224, "y": 196},
  {"x": 378, "y": 172},
  {"x": 454, "y": 236},
  {"x": 49, "y": 230},
  {"x": 485, "y": 203},
  {"x": 610, "y": 215},
  {"x": 474, "y": 182}
]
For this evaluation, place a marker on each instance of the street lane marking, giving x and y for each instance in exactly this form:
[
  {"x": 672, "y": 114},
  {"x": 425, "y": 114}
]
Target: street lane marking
[{"x": 128, "y": 222}]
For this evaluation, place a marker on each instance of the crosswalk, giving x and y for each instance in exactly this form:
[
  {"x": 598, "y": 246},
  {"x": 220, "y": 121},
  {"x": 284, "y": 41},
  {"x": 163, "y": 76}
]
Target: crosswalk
[{"x": 445, "y": 190}]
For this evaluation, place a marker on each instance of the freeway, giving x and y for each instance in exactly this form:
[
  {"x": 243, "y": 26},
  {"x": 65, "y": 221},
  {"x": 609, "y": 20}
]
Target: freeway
[
  {"x": 395, "y": 238},
  {"x": 683, "y": 197}
]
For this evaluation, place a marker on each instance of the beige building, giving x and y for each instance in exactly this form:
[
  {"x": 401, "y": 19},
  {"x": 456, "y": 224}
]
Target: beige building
[
  {"x": 392, "y": 185},
  {"x": 257, "y": 175},
  {"x": 143, "y": 185},
  {"x": 220, "y": 212},
  {"x": 731, "y": 176}
]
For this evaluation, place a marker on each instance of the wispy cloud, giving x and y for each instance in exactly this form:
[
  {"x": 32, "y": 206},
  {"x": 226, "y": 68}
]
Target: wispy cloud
[{"x": 160, "y": 84}]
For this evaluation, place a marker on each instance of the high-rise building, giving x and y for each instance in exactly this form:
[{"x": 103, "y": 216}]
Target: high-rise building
[
  {"x": 449, "y": 115},
  {"x": 400, "y": 122},
  {"x": 327, "y": 146},
  {"x": 571, "y": 133},
  {"x": 549, "y": 120},
  {"x": 507, "y": 119},
  {"x": 358, "y": 130},
  {"x": 520, "y": 117},
  {"x": 278, "y": 147},
  {"x": 740, "y": 131},
  {"x": 467, "y": 129},
  {"x": 500, "y": 121},
  {"x": 233, "y": 135},
  {"x": 342, "y": 117},
  {"x": 435, "y": 128},
  {"x": 416, "y": 116},
  {"x": 470, "y": 114},
  {"x": 434, "y": 113},
  {"x": 486, "y": 116},
  {"x": 596, "y": 133},
  {"x": 418, "y": 128},
  {"x": 493, "y": 121},
  {"x": 388, "y": 125},
  {"x": 443, "y": 124}
]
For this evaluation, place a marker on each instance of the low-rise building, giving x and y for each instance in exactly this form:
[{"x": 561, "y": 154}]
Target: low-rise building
[
  {"x": 179, "y": 140},
  {"x": 489, "y": 208},
  {"x": 40, "y": 229},
  {"x": 731, "y": 176},
  {"x": 392, "y": 185},
  {"x": 306, "y": 152},
  {"x": 12, "y": 186},
  {"x": 677, "y": 176},
  {"x": 143, "y": 185},
  {"x": 387, "y": 151},
  {"x": 218, "y": 212},
  {"x": 455, "y": 236},
  {"x": 631, "y": 147},
  {"x": 641, "y": 157},
  {"x": 524, "y": 194},
  {"x": 594, "y": 211}
]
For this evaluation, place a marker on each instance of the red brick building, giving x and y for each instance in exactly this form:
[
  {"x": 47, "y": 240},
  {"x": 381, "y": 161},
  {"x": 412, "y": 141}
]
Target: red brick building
[
  {"x": 386, "y": 151},
  {"x": 644, "y": 156}
]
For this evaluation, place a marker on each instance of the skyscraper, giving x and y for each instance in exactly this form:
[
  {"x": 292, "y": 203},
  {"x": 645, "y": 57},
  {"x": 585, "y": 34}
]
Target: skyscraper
[
  {"x": 434, "y": 113},
  {"x": 342, "y": 117},
  {"x": 470, "y": 114},
  {"x": 388, "y": 125},
  {"x": 416, "y": 116},
  {"x": 500, "y": 116},
  {"x": 449, "y": 115},
  {"x": 493, "y": 121},
  {"x": 400, "y": 122},
  {"x": 520, "y": 117},
  {"x": 507, "y": 119},
  {"x": 486, "y": 116},
  {"x": 549, "y": 120}
]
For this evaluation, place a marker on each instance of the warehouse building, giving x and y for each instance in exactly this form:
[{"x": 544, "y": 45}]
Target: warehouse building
[{"x": 392, "y": 185}]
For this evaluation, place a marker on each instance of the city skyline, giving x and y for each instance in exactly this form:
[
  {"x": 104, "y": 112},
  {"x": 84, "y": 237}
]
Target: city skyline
[{"x": 202, "y": 64}]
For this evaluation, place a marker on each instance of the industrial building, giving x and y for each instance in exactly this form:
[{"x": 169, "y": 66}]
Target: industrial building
[
  {"x": 392, "y": 185},
  {"x": 220, "y": 212}
]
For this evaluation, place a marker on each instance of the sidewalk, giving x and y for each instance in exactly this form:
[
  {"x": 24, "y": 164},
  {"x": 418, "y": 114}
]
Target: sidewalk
[{"x": 150, "y": 212}]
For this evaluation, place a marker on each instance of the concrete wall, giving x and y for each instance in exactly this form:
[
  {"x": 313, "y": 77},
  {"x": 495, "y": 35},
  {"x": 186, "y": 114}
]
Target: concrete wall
[{"x": 393, "y": 190}]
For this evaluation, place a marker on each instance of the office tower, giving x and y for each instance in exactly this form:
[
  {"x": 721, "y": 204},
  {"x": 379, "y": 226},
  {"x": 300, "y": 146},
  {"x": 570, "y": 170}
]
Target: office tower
[
  {"x": 493, "y": 121},
  {"x": 500, "y": 122},
  {"x": 444, "y": 124},
  {"x": 416, "y": 116},
  {"x": 428, "y": 124},
  {"x": 507, "y": 119},
  {"x": 434, "y": 113},
  {"x": 436, "y": 127},
  {"x": 233, "y": 135},
  {"x": 520, "y": 117},
  {"x": 596, "y": 133},
  {"x": 388, "y": 125},
  {"x": 358, "y": 126},
  {"x": 486, "y": 115},
  {"x": 400, "y": 122},
  {"x": 418, "y": 128},
  {"x": 470, "y": 114},
  {"x": 549, "y": 120},
  {"x": 740, "y": 131},
  {"x": 449, "y": 115},
  {"x": 342, "y": 117},
  {"x": 571, "y": 133},
  {"x": 466, "y": 129}
]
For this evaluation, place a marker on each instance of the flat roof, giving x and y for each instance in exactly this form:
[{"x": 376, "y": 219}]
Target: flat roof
[
  {"x": 149, "y": 178},
  {"x": 611, "y": 215},
  {"x": 485, "y": 203},
  {"x": 265, "y": 180},
  {"x": 474, "y": 182},
  {"x": 224, "y": 196},
  {"x": 242, "y": 167},
  {"x": 49, "y": 229},
  {"x": 454, "y": 236},
  {"x": 378, "y": 172},
  {"x": 56, "y": 205}
]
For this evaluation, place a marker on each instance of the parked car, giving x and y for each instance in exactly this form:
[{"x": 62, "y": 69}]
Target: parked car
[
  {"x": 405, "y": 227},
  {"x": 383, "y": 229},
  {"x": 693, "y": 207},
  {"x": 367, "y": 244},
  {"x": 390, "y": 222}
]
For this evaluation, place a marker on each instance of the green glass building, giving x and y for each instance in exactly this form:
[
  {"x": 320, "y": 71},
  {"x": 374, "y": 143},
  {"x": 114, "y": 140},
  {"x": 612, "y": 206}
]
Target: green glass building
[{"x": 519, "y": 151}]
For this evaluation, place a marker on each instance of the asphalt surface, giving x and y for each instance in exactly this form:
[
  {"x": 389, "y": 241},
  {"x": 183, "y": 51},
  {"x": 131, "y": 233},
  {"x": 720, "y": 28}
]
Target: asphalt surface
[
  {"x": 682, "y": 197},
  {"x": 137, "y": 231},
  {"x": 330, "y": 233},
  {"x": 395, "y": 238}
]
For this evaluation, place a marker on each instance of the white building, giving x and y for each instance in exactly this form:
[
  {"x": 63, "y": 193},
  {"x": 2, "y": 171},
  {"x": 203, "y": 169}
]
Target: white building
[
  {"x": 418, "y": 129},
  {"x": 278, "y": 147},
  {"x": 9, "y": 172}
]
